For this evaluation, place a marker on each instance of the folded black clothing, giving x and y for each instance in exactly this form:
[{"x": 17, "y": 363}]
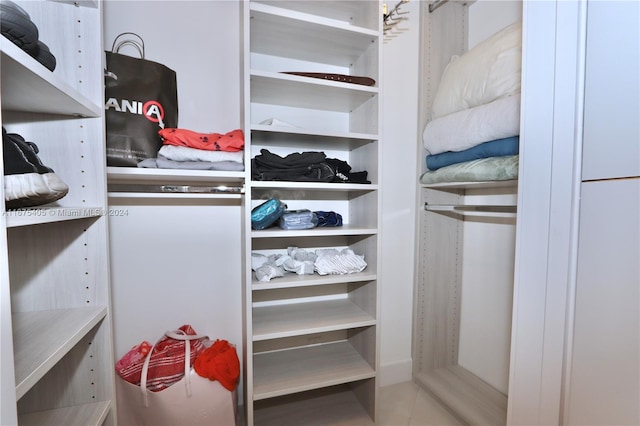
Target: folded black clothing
[
  {"x": 343, "y": 172},
  {"x": 296, "y": 167},
  {"x": 268, "y": 159},
  {"x": 309, "y": 166},
  {"x": 358, "y": 177},
  {"x": 319, "y": 172}
]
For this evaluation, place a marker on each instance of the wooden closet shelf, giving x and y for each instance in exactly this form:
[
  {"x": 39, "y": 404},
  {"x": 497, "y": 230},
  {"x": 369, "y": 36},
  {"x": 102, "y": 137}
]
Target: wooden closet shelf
[
  {"x": 297, "y": 370},
  {"x": 28, "y": 86},
  {"x": 274, "y": 322},
  {"x": 92, "y": 414},
  {"x": 42, "y": 338}
]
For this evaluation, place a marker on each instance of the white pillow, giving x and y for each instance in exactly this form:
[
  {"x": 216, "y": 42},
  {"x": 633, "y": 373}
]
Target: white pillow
[
  {"x": 489, "y": 71},
  {"x": 470, "y": 127}
]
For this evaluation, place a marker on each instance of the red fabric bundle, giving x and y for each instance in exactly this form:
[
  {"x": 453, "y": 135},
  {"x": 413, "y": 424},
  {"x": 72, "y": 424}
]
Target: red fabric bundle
[
  {"x": 219, "y": 362},
  {"x": 166, "y": 365},
  {"x": 232, "y": 141}
]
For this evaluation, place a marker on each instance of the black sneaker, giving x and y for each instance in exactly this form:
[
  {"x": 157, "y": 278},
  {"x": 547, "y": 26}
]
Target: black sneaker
[
  {"x": 16, "y": 25},
  {"x": 42, "y": 54},
  {"x": 27, "y": 181}
]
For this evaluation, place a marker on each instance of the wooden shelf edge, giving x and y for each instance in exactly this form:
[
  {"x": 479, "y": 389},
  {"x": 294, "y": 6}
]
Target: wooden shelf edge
[
  {"x": 138, "y": 175},
  {"x": 291, "y": 280},
  {"x": 92, "y": 414},
  {"x": 467, "y": 185},
  {"x": 314, "y": 232},
  {"x": 313, "y": 186},
  {"x": 93, "y": 4},
  {"x": 266, "y": 128},
  {"x": 37, "y": 216}
]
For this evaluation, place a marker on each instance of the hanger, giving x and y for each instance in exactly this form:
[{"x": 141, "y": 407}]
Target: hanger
[{"x": 393, "y": 16}]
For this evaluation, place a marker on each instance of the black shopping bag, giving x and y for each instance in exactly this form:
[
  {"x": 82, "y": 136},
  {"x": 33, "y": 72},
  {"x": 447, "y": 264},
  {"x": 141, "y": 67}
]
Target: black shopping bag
[{"x": 141, "y": 97}]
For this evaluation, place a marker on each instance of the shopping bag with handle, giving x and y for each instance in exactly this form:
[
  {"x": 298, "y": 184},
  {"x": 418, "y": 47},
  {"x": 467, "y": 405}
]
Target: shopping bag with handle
[{"x": 141, "y": 98}]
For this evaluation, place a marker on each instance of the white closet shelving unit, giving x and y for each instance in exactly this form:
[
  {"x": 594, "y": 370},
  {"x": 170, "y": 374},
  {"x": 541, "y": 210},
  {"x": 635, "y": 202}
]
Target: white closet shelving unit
[
  {"x": 450, "y": 216},
  {"x": 57, "y": 360},
  {"x": 311, "y": 350}
]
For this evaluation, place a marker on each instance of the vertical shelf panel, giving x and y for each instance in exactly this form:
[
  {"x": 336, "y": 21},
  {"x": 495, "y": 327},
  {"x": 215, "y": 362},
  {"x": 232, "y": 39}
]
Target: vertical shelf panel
[{"x": 56, "y": 287}]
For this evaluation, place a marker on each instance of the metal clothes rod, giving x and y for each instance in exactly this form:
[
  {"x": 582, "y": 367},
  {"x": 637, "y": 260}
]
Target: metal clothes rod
[
  {"x": 176, "y": 189},
  {"x": 470, "y": 208},
  {"x": 174, "y": 195},
  {"x": 436, "y": 4}
]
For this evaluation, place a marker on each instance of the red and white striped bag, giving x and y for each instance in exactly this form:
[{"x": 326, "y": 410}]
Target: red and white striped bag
[
  {"x": 166, "y": 365},
  {"x": 191, "y": 400}
]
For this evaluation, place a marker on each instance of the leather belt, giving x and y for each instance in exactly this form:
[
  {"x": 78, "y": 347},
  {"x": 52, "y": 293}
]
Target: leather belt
[{"x": 365, "y": 81}]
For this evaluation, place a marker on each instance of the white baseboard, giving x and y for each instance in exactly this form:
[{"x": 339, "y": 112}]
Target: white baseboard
[{"x": 396, "y": 372}]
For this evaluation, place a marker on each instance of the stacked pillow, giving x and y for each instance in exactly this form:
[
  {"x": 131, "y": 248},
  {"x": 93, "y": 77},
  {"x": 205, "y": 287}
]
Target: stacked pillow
[{"x": 476, "y": 108}]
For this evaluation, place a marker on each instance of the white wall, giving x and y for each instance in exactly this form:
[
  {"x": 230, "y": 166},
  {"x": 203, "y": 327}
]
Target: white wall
[
  {"x": 175, "y": 263},
  {"x": 200, "y": 41},
  {"x": 488, "y": 16}
]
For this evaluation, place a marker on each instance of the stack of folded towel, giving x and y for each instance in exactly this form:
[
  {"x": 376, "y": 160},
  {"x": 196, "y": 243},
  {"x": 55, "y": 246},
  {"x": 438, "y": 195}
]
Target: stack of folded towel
[
  {"x": 476, "y": 109},
  {"x": 186, "y": 149}
]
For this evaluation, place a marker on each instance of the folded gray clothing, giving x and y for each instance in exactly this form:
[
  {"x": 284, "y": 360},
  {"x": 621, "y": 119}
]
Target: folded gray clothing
[
  {"x": 296, "y": 260},
  {"x": 259, "y": 259},
  {"x": 185, "y": 153},
  {"x": 301, "y": 255},
  {"x": 165, "y": 163},
  {"x": 267, "y": 272},
  {"x": 299, "y": 261},
  {"x": 265, "y": 267}
]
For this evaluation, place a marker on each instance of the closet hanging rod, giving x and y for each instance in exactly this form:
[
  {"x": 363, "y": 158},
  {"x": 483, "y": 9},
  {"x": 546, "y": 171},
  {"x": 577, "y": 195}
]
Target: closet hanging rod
[
  {"x": 179, "y": 196},
  {"x": 176, "y": 189},
  {"x": 470, "y": 208},
  {"x": 436, "y": 4}
]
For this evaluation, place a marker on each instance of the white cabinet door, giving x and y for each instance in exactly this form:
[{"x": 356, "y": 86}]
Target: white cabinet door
[
  {"x": 612, "y": 90},
  {"x": 605, "y": 369}
]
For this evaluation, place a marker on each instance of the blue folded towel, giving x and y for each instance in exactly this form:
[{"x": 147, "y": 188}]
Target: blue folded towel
[{"x": 495, "y": 148}]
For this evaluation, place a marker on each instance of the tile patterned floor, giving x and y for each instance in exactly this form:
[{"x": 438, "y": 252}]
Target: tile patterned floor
[{"x": 405, "y": 404}]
